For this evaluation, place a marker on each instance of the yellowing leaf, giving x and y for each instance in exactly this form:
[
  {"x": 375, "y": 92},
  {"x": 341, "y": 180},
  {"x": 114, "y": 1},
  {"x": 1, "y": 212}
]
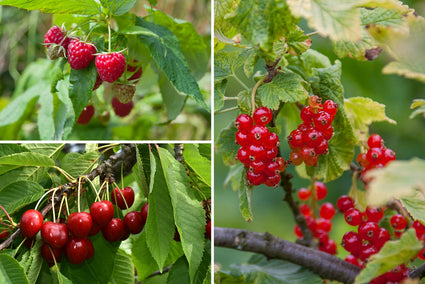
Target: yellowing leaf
[{"x": 415, "y": 205}]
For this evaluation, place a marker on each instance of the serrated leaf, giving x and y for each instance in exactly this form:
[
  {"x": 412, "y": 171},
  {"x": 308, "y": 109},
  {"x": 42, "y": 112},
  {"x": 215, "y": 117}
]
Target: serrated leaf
[
  {"x": 245, "y": 193},
  {"x": 27, "y": 159},
  {"x": 226, "y": 63},
  {"x": 51, "y": 150},
  {"x": 11, "y": 272},
  {"x": 419, "y": 104},
  {"x": 141, "y": 174},
  {"x": 57, "y": 73},
  {"x": 123, "y": 271},
  {"x": 244, "y": 101},
  {"x": 219, "y": 90},
  {"x": 29, "y": 192},
  {"x": 202, "y": 274},
  {"x": 393, "y": 253},
  {"x": 285, "y": 87},
  {"x": 397, "y": 179},
  {"x": 167, "y": 54},
  {"x": 179, "y": 272},
  {"x": 173, "y": 101},
  {"x": 59, "y": 276},
  {"x": 77, "y": 164},
  {"x": 189, "y": 216},
  {"x": 225, "y": 144},
  {"x": 32, "y": 262},
  {"x": 415, "y": 205},
  {"x": 116, "y": 7},
  {"x": 297, "y": 42},
  {"x": 361, "y": 112},
  {"x": 82, "y": 7},
  {"x": 339, "y": 21},
  {"x": 198, "y": 164},
  {"x": 250, "y": 58}
]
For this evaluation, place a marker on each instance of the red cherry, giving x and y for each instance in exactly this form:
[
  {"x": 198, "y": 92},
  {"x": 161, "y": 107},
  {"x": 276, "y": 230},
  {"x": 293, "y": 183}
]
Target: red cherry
[
  {"x": 47, "y": 252},
  {"x": 327, "y": 210},
  {"x": 126, "y": 193},
  {"x": 95, "y": 228},
  {"x": 76, "y": 250},
  {"x": 54, "y": 234},
  {"x": 208, "y": 230},
  {"x": 262, "y": 116},
  {"x": 4, "y": 234},
  {"x": 177, "y": 235},
  {"x": 144, "y": 211},
  {"x": 90, "y": 248},
  {"x": 114, "y": 230},
  {"x": 320, "y": 190},
  {"x": 102, "y": 212},
  {"x": 133, "y": 222},
  {"x": 79, "y": 224},
  {"x": 86, "y": 115},
  {"x": 31, "y": 222}
]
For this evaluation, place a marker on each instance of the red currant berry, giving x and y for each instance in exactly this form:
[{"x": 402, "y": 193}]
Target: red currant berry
[
  {"x": 366, "y": 251},
  {"x": 244, "y": 122},
  {"x": 398, "y": 222},
  {"x": 330, "y": 107},
  {"x": 311, "y": 223},
  {"x": 262, "y": 116},
  {"x": 353, "y": 217},
  {"x": 258, "y": 134},
  {"x": 307, "y": 114},
  {"x": 31, "y": 222},
  {"x": 382, "y": 237},
  {"x": 329, "y": 247},
  {"x": 257, "y": 166},
  {"x": 351, "y": 242},
  {"x": 374, "y": 214},
  {"x": 121, "y": 197},
  {"x": 304, "y": 127},
  {"x": 421, "y": 254},
  {"x": 295, "y": 158},
  {"x": 272, "y": 141},
  {"x": 374, "y": 155},
  {"x": 297, "y": 231},
  {"x": 282, "y": 164},
  {"x": 320, "y": 190},
  {"x": 322, "y": 236},
  {"x": 48, "y": 253},
  {"x": 322, "y": 121},
  {"x": 272, "y": 180},
  {"x": 328, "y": 133},
  {"x": 324, "y": 224},
  {"x": 304, "y": 194},
  {"x": 362, "y": 160},
  {"x": 315, "y": 102},
  {"x": 295, "y": 139},
  {"x": 79, "y": 224},
  {"x": 271, "y": 153},
  {"x": 76, "y": 250},
  {"x": 353, "y": 260},
  {"x": 305, "y": 210},
  {"x": 419, "y": 228},
  {"x": 133, "y": 222},
  {"x": 313, "y": 137},
  {"x": 396, "y": 274},
  {"x": 322, "y": 148},
  {"x": 311, "y": 161},
  {"x": 114, "y": 230},
  {"x": 368, "y": 231},
  {"x": 307, "y": 153},
  {"x": 241, "y": 138},
  {"x": 344, "y": 203},
  {"x": 102, "y": 212},
  {"x": 243, "y": 156},
  {"x": 388, "y": 156},
  {"x": 272, "y": 169},
  {"x": 256, "y": 152},
  {"x": 375, "y": 141},
  {"x": 54, "y": 234},
  {"x": 255, "y": 178},
  {"x": 327, "y": 211}
]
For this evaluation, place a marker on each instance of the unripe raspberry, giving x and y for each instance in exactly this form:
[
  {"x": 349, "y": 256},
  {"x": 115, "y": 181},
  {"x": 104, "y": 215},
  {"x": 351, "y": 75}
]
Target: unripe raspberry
[{"x": 124, "y": 93}]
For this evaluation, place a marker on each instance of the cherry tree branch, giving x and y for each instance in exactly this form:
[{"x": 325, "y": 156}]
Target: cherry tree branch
[
  {"x": 325, "y": 265},
  {"x": 110, "y": 168}
]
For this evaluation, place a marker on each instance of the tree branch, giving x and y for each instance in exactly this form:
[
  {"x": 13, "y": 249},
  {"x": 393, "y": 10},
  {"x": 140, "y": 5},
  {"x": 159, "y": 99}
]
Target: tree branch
[
  {"x": 418, "y": 272},
  {"x": 325, "y": 265},
  {"x": 110, "y": 168}
]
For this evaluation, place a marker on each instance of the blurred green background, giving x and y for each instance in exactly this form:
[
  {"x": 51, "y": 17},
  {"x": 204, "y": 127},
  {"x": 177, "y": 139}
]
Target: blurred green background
[{"x": 271, "y": 213}]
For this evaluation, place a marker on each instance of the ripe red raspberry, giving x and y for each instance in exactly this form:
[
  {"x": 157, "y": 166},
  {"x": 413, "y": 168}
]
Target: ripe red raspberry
[
  {"x": 80, "y": 54},
  {"x": 136, "y": 76},
  {"x": 110, "y": 66},
  {"x": 124, "y": 93},
  {"x": 121, "y": 109},
  {"x": 54, "y": 39}
]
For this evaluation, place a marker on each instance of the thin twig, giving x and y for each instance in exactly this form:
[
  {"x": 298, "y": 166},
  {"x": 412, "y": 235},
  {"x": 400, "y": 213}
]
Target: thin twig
[{"x": 254, "y": 90}]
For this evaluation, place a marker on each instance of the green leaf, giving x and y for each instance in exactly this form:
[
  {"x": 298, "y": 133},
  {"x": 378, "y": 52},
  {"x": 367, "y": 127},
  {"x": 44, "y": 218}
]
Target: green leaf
[
  {"x": 179, "y": 272},
  {"x": 244, "y": 101},
  {"x": 219, "y": 90},
  {"x": 393, "y": 253},
  {"x": 226, "y": 63},
  {"x": 202, "y": 274},
  {"x": 297, "y": 42},
  {"x": 259, "y": 270},
  {"x": 419, "y": 104},
  {"x": 262, "y": 22},
  {"x": 200, "y": 165},
  {"x": 27, "y": 159},
  {"x": 141, "y": 174},
  {"x": 160, "y": 223},
  {"x": 45, "y": 123},
  {"x": 118, "y": 7},
  {"x": 167, "y": 54},
  {"x": 362, "y": 112},
  {"x": 245, "y": 193},
  {"x": 28, "y": 193},
  {"x": 173, "y": 101},
  {"x": 59, "y": 276},
  {"x": 225, "y": 144},
  {"x": 77, "y": 164},
  {"x": 82, "y": 7},
  {"x": 65, "y": 116},
  {"x": 11, "y": 272},
  {"x": 398, "y": 179},
  {"x": 81, "y": 84},
  {"x": 32, "y": 262},
  {"x": 234, "y": 176},
  {"x": 123, "y": 271},
  {"x": 285, "y": 87},
  {"x": 415, "y": 205},
  {"x": 14, "y": 110},
  {"x": 189, "y": 216},
  {"x": 338, "y": 20}
]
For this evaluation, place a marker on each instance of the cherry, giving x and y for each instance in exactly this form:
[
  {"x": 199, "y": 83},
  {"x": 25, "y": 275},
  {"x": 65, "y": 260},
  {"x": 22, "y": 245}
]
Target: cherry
[
  {"x": 344, "y": 203},
  {"x": 125, "y": 235},
  {"x": 47, "y": 252},
  {"x": 114, "y": 230},
  {"x": 320, "y": 190},
  {"x": 79, "y": 224},
  {"x": 31, "y": 222},
  {"x": 327, "y": 211},
  {"x": 244, "y": 122},
  {"x": 208, "y": 230},
  {"x": 304, "y": 194},
  {"x": 118, "y": 196},
  {"x": 54, "y": 234},
  {"x": 86, "y": 115},
  {"x": 102, "y": 212},
  {"x": 4, "y": 234},
  {"x": 76, "y": 250},
  {"x": 95, "y": 228},
  {"x": 144, "y": 211},
  {"x": 398, "y": 222},
  {"x": 90, "y": 248},
  {"x": 262, "y": 116},
  {"x": 133, "y": 222}
]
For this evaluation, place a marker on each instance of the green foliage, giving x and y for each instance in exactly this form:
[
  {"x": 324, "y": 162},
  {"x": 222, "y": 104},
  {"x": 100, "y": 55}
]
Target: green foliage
[{"x": 11, "y": 272}]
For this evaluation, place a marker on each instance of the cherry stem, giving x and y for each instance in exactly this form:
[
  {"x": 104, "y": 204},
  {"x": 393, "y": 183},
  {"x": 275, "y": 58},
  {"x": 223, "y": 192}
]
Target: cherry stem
[
  {"x": 19, "y": 246},
  {"x": 53, "y": 206},
  {"x": 66, "y": 203},
  {"x": 254, "y": 90},
  {"x": 44, "y": 195},
  {"x": 66, "y": 175},
  {"x": 5, "y": 224},
  {"x": 7, "y": 214},
  {"x": 94, "y": 188},
  {"x": 122, "y": 195},
  {"x": 54, "y": 259},
  {"x": 60, "y": 208},
  {"x": 79, "y": 192}
]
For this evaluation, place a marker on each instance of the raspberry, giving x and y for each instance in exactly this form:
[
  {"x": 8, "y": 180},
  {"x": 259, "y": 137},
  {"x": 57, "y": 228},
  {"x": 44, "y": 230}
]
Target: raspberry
[
  {"x": 110, "y": 66},
  {"x": 136, "y": 76},
  {"x": 121, "y": 109},
  {"x": 244, "y": 123},
  {"x": 262, "y": 116},
  {"x": 54, "y": 39},
  {"x": 80, "y": 54},
  {"x": 124, "y": 93},
  {"x": 86, "y": 115}
]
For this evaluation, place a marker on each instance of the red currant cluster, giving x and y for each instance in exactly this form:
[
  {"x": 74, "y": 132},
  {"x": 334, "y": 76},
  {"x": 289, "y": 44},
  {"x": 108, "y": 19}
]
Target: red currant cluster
[
  {"x": 73, "y": 239},
  {"x": 320, "y": 227},
  {"x": 377, "y": 156},
  {"x": 258, "y": 149},
  {"x": 311, "y": 137},
  {"x": 110, "y": 67}
]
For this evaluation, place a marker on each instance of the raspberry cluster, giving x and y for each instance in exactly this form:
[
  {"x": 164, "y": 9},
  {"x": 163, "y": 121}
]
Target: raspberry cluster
[
  {"x": 377, "y": 155},
  {"x": 110, "y": 68},
  {"x": 73, "y": 237},
  {"x": 320, "y": 227},
  {"x": 258, "y": 151},
  {"x": 311, "y": 137}
]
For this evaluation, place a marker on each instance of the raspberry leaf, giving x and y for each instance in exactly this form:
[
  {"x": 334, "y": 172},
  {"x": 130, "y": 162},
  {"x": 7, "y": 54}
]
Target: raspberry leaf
[
  {"x": 80, "y": 7},
  {"x": 117, "y": 7}
]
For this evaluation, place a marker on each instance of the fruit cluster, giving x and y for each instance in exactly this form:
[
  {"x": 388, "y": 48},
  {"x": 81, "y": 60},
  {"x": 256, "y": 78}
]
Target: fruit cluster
[
  {"x": 73, "y": 239},
  {"x": 320, "y": 227},
  {"x": 110, "y": 67},
  {"x": 259, "y": 148},
  {"x": 377, "y": 155},
  {"x": 310, "y": 139}
]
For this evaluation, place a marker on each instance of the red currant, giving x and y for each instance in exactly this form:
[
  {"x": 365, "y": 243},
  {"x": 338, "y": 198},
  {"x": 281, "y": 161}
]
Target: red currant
[
  {"x": 244, "y": 122},
  {"x": 241, "y": 138},
  {"x": 367, "y": 250},
  {"x": 388, "y": 156},
  {"x": 305, "y": 210},
  {"x": 295, "y": 158},
  {"x": 329, "y": 247},
  {"x": 375, "y": 141},
  {"x": 258, "y": 134},
  {"x": 419, "y": 228},
  {"x": 313, "y": 137},
  {"x": 374, "y": 155},
  {"x": 243, "y": 156},
  {"x": 282, "y": 164},
  {"x": 307, "y": 114},
  {"x": 322, "y": 147},
  {"x": 324, "y": 224},
  {"x": 353, "y": 217},
  {"x": 328, "y": 133},
  {"x": 322, "y": 121},
  {"x": 297, "y": 231},
  {"x": 262, "y": 116},
  {"x": 330, "y": 107},
  {"x": 315, "y": 102},
  {"x": 272, "y": 169},
  {"x": 255, "y": 178},
  {"x": 353, "y": 260},
  {"x": 272, "y": 141},
  {"x": 351, "y": 241},
  {"x": 374, "y": 214},
  {"x": 271, "y": 153},
  {"x": 295, "y": 138},
  {"x": 327, "y": 211},
  {"x": 256, "y": 152},
  {"x": 31, "y": 222},
  {"x": 344, "y": 203},
  {"x": 398, "y": 222},
  {"x": 382, "y": 237},
  {"x": 368, "y": 231},
  {"x": 272, "y": 180},
  {"x": 304, "y": 194},
  {"x": 320, "y": 190}
]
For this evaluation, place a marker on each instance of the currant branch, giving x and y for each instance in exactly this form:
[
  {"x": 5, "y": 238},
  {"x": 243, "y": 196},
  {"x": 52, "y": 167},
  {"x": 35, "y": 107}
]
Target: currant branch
[
  {"x": 109, "y": 169},
  {"x": 323, "y": 264}
]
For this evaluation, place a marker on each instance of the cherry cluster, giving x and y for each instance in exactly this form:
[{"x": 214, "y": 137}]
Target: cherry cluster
[
  {"x": 259, "y": 148},
  {"x": 377, "y": 155},
  {"x": 320, "y": 227},
  {"x": 310, "y": 139},
  {"x": 72, "y": 237}
]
